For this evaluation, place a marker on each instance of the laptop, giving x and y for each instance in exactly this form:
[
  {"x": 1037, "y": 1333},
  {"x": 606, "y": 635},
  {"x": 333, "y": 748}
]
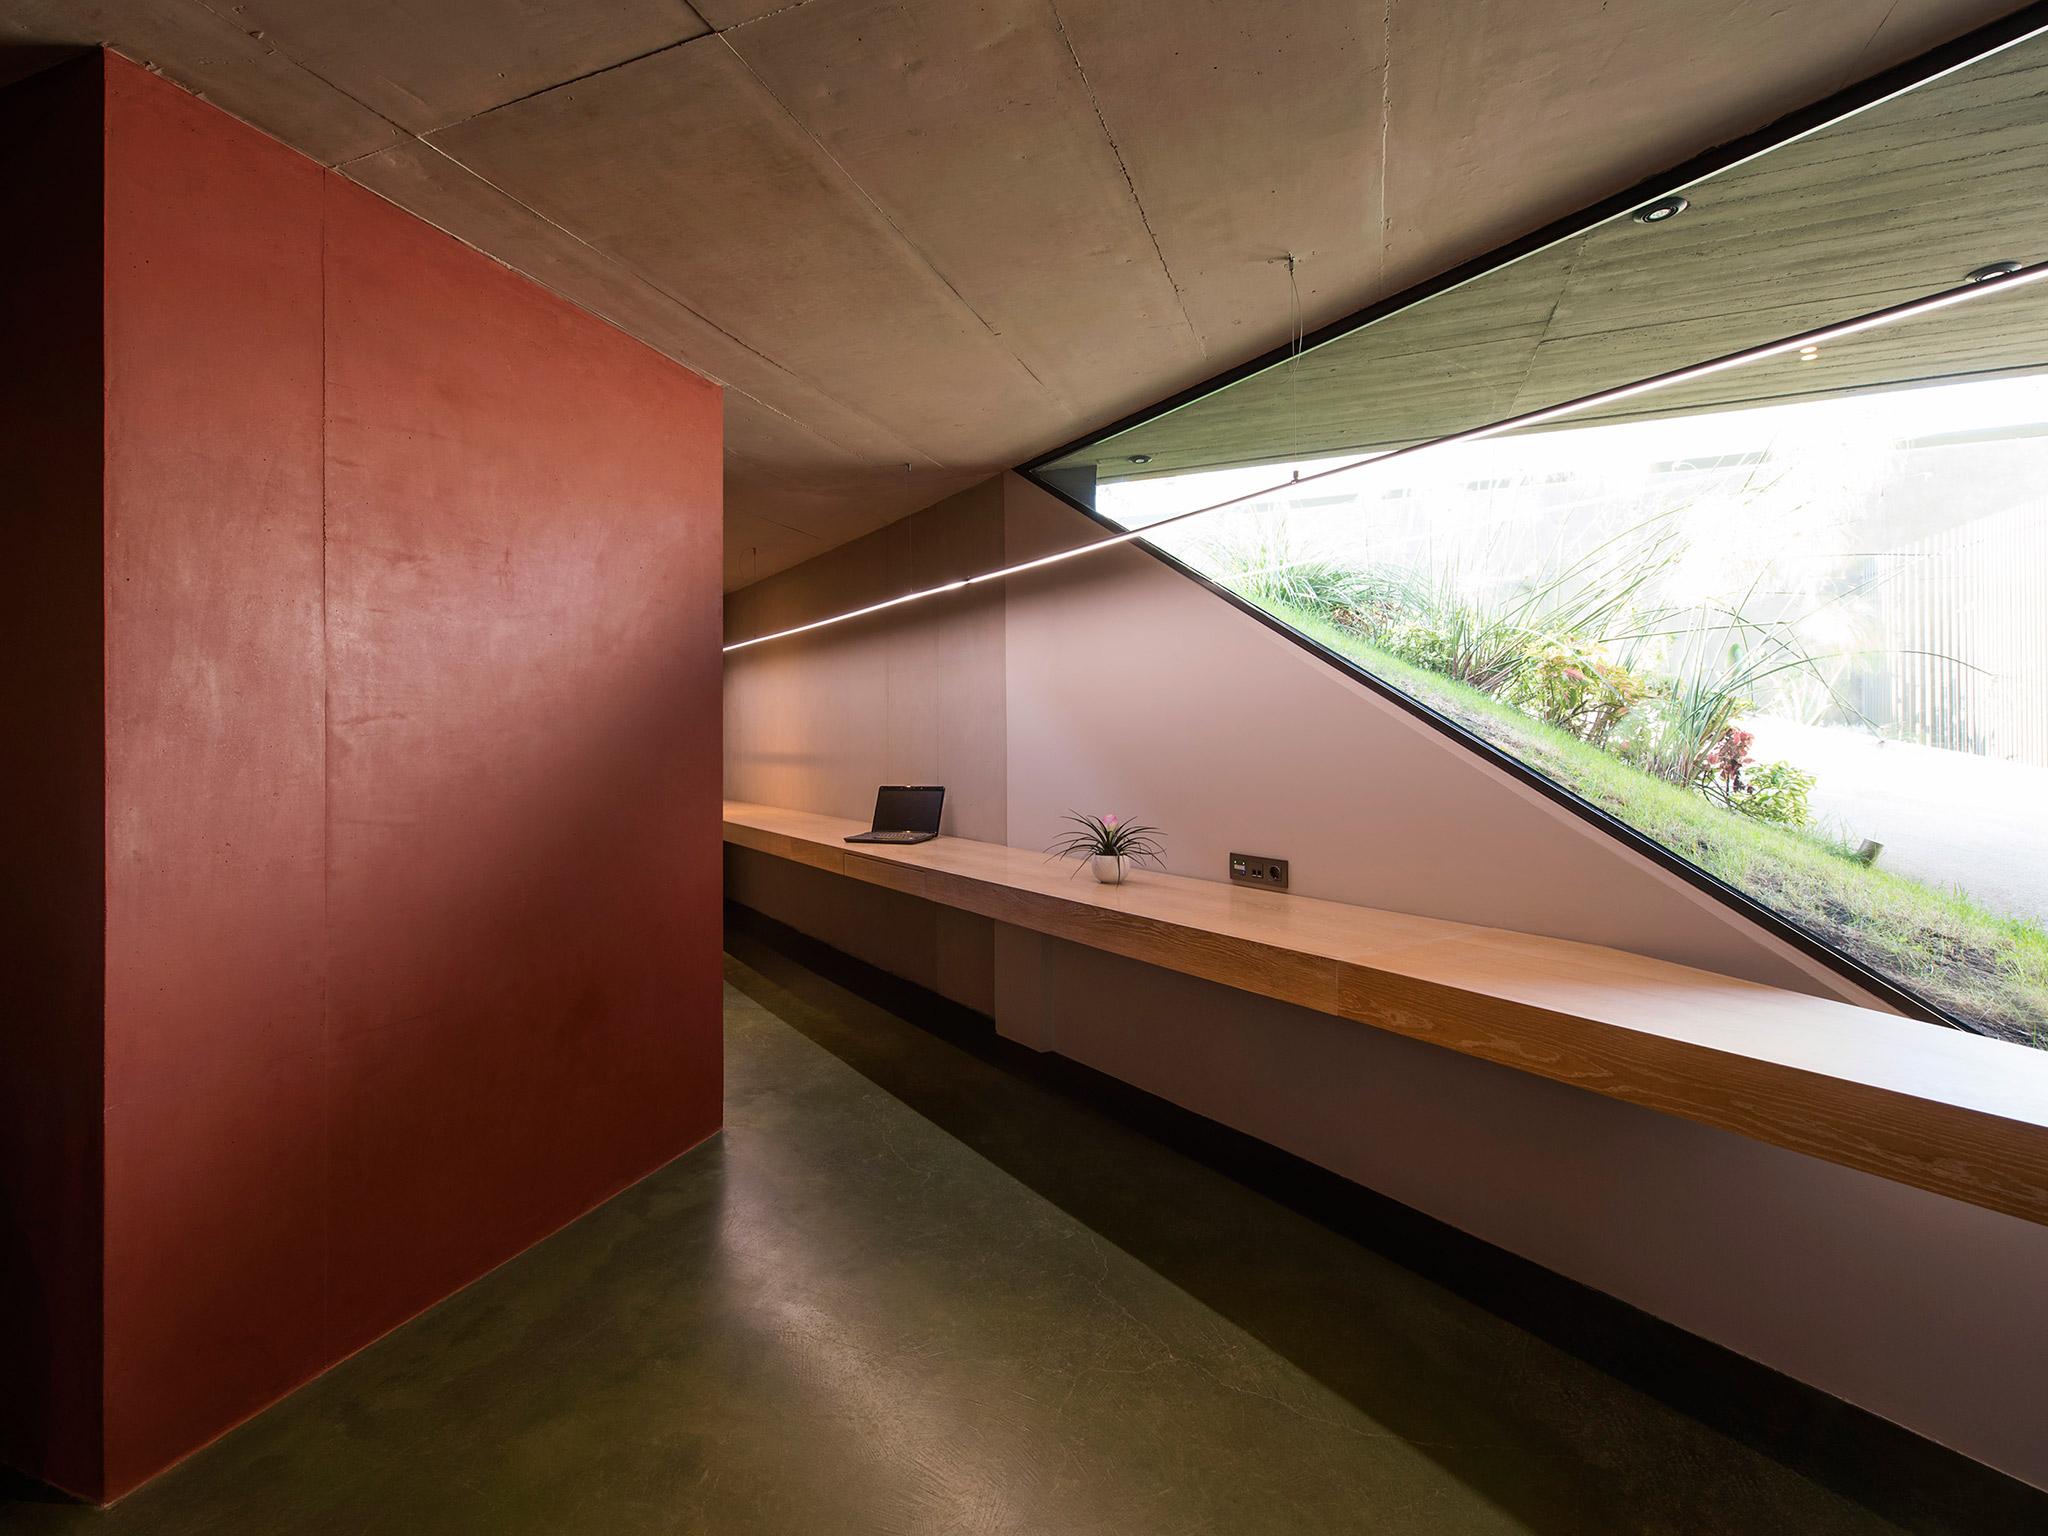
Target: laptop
[{"x": 905, "y": 813}]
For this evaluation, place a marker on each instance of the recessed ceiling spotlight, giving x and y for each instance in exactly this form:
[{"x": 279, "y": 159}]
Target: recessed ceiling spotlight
[
  {"x": 1984, "y": 274},
  {"x": 1141, "y": 458},
  {"x": 1664, "y": 208}
]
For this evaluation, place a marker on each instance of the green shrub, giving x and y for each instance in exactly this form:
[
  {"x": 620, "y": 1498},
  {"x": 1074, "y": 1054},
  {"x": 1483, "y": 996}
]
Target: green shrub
[
  {"x": 1775, "y": 792},
  {"x": 1546, "y": 649},
  {"x": 1574, "y": 685},
  {"x": 1259, "y": 560},
  {"x": 1977, "y": 963},
  {"x": 1424, "y": 619},
  {"x": 1678, "y": 726}
]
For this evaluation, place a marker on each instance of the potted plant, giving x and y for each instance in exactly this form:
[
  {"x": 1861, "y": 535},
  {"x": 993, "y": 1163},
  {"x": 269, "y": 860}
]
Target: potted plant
[{"x": 1109, "y": 844}]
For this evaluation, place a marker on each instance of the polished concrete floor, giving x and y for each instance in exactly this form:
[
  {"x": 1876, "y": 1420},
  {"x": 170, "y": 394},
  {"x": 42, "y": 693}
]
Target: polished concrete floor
[{"x": 910, "y": 1291}]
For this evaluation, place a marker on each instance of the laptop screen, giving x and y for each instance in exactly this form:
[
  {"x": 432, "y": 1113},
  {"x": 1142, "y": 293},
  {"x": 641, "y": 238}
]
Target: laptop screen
[{"x": 908, "y": 808}]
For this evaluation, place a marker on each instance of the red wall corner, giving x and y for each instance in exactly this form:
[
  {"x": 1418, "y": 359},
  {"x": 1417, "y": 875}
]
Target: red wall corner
[
  {"x": 412, "y": 768},
  {"x": 50, "y": 772}
]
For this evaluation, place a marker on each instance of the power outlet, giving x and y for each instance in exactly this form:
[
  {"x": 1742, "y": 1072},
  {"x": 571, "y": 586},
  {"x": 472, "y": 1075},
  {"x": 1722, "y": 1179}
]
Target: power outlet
[{"x": 1257, "y": 869}]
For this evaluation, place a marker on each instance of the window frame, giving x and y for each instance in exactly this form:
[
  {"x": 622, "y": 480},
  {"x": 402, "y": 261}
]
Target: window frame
[{"x": 2028, "y": 22}]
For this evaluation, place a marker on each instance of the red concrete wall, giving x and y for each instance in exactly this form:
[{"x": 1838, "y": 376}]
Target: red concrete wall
[
  {"x": 50, "y": 768},
  {"x": 523, "y": 528},
  {"x": 215, "y": 959},
  {"x": 411, "y": 724}
]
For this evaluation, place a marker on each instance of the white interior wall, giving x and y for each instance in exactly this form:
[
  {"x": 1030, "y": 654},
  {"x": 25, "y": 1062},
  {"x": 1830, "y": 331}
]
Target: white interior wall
[
  {"x": 1132, "y": 689},
  {"x": 1118, "y": 685}
]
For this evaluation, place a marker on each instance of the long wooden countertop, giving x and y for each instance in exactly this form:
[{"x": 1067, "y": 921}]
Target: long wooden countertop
[{"x": 1949, "y": 1112}]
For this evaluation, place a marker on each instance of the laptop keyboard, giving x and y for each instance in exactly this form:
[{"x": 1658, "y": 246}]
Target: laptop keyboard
[{"x": 895, "y": 837}]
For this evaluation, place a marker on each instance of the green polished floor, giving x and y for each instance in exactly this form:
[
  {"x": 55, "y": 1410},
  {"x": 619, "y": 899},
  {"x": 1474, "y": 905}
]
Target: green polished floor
[{"x": 909, "y": 1291}]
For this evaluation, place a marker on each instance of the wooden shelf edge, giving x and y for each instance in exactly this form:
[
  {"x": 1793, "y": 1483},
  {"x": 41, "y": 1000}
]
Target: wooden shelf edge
[{"x": 1976, "y": 1130}]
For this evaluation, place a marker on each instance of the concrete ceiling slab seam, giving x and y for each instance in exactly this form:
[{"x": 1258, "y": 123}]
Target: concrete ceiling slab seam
[
  {"x": 1496, "y": 128},
  {"x": 424, "y": 64},
  {"x": 214, "y": 58},
  {"x": 683, "y": 167},
  {"x": 1892, "y": 203},
  {"x": 756, "y": 544},
  {"x": 784, "y": 474},
  {"x": 973, "y": 130},
  {"x": 1250, "y": 133},
  {"x": 726, "y": 15},
  {"x": 427, "y": 183}
]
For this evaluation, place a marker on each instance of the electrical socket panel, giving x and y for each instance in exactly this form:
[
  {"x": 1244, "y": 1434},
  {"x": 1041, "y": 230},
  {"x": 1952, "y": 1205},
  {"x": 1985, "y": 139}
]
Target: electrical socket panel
[{"x": 1258, "y": 869}]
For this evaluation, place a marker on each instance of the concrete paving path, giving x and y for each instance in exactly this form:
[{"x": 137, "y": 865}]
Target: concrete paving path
[{"x": 1948, "y": 818}]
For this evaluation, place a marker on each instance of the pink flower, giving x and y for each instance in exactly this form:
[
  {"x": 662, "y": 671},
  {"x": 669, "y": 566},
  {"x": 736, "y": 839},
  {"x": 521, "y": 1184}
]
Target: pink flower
[{"x": 1109, "y": 821}]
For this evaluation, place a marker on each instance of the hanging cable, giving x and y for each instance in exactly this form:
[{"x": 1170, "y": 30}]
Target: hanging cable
[{"x": 1294, "y": 340}]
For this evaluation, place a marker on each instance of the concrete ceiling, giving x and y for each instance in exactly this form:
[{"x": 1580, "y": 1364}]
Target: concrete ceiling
[
  {"x": 920, "y": 240},
  {"x": 1897, "y": 202}
]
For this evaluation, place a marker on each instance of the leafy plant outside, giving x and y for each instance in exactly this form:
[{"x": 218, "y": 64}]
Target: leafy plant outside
[
  {"x": 1969, "y": 960},
  {"x": 1635, "y": 709}
]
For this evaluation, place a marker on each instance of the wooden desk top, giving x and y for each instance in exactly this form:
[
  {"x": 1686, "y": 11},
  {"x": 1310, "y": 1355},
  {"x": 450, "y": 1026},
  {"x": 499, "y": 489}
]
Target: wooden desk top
[{"x": 1946, "y": 1111}]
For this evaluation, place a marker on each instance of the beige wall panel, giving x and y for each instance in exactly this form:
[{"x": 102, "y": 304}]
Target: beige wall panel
[{"x": 817, "y": 722}]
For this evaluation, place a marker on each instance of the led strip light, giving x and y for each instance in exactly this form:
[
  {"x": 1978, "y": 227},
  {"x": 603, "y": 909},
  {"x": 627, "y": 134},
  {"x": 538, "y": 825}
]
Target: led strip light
[{"x": 1789, "y": 345}]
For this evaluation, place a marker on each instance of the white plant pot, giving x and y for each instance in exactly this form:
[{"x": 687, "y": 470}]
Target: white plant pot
[{"x": 1109, "y": 869}]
